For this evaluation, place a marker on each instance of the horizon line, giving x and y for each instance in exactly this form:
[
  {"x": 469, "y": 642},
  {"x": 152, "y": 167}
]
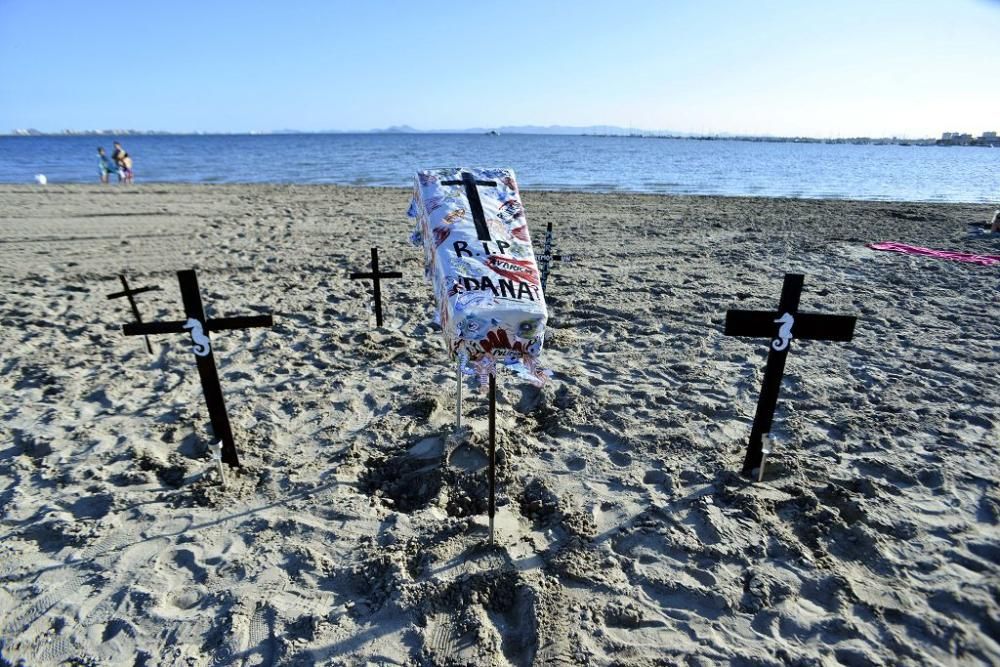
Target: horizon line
[{"x": 583, "y": 130}]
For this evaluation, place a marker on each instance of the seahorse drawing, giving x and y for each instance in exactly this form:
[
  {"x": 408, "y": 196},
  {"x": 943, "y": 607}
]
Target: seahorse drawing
[
  {"x": 202, "y": 346},
  {"x": 784, "y": 332}
]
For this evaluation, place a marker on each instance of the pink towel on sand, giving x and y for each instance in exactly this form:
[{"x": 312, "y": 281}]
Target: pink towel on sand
[{"x": 985, "y": 260}]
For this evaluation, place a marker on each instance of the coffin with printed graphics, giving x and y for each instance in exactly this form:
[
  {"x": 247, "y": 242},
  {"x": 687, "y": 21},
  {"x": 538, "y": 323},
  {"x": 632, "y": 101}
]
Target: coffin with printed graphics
[{"x": 481, "y": 265}]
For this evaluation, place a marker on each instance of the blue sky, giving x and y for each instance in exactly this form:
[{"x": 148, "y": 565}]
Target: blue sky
[{"x": 831, "y": 68}]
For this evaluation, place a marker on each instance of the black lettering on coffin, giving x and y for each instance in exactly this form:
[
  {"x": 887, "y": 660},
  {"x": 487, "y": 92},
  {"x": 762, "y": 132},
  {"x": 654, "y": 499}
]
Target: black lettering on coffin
[
  {"x": 507, "y": 288},
  {"x": 486, "y": 283}
]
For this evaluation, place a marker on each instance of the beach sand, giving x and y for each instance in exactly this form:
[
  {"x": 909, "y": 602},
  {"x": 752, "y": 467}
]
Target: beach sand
[{"x": 355, "y": 532}]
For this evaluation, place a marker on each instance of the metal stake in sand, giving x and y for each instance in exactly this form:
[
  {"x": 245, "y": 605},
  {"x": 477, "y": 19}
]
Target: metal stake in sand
[
  {"x": 546, "y": 258},
  {"x": 458, "y": 397},
  {"x": 376, "y": 278},
  {"x": 781, "y": 327},
  {"x": 199, "y": 327},
  {"x": 130, "y": 293},
  {"x": 217, "y": 457},
  {"x": 764, "y": 453},
  {"x": 493, "y": 450}
]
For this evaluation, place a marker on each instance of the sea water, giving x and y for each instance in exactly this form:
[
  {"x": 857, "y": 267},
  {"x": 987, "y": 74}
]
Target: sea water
[{"x": 542, "y": 162}]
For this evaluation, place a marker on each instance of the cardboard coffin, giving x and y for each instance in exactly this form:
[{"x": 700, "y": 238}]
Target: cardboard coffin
[{"x": 480, "y": 263}]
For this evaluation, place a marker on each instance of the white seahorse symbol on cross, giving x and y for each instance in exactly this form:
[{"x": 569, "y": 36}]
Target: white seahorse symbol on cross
[
  {"x": 784, "y": 332},
  {"x": 202, "y": 346}
]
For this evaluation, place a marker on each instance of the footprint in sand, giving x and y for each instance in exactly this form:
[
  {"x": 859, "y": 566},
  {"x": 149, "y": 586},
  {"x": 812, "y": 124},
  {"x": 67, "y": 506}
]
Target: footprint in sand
[
  {"x": 263, "y": 645},
  {"x": 498, "y": 615}
]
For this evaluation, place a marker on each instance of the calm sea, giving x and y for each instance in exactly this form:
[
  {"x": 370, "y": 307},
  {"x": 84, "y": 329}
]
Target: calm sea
[{"x": 601, "y": 164}]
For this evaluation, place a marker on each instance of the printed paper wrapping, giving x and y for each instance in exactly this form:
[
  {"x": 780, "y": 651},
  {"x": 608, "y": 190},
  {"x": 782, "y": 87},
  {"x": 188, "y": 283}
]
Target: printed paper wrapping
[{"x": 488, "y": 293}]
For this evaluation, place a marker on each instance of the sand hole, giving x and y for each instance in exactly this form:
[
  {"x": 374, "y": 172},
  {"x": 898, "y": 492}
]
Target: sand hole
[{"x": 468, "y": 458}]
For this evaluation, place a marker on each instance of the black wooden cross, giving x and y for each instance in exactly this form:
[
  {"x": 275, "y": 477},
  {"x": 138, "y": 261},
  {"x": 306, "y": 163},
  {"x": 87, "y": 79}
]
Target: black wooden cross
[
  {"x": 547, "y": 257},
  {"x": 376, "y": 278},
  {"x": 781, "y": 326},
  {"x": 475, "y": 204},
  {"x": 199, "y": 327},
  {"x": 130, "y": 293}
]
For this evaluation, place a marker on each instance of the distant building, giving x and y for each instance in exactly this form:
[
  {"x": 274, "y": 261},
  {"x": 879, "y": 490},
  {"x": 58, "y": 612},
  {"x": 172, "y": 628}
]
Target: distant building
[
  {"x": 989, "y": 139},
  {"x": 955, "y": 139}
]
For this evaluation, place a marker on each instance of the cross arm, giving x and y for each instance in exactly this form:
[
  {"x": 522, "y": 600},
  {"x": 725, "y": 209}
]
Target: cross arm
[
  {"x": 486, "y": 183},
  {"x": 809, "y": 326},
  {"x": 245, "y": 322},
  {"x": 118, "y": 295},
  {"x": 369, "y": 276},
  {"x": 152, "y": 328},
  {"x": 751, "y": 323}
]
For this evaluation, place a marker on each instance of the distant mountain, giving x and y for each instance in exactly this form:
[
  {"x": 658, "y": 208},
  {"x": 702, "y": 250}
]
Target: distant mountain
[
  {"x": 569, "y": 129},
  {"x": 530, "y": 129},
  {"x": 398, "y": 129},
  {"x": 592, "y": 130}
]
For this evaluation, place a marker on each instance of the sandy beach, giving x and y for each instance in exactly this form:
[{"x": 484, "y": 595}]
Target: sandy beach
[{"x": 355, "y": 532}]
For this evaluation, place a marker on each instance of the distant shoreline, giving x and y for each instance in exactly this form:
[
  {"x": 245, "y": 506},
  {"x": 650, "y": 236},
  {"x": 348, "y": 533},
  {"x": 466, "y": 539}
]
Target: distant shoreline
[
  {"x": 864, "y": 141},
  {"x": 978, "y": 209}
]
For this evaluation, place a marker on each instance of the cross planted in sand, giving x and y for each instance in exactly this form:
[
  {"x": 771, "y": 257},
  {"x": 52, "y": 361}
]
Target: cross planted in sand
[
  {"x": 130, "y": 293},
  {"x": 781, "y": 327},
  {"x": 376, "y": 278},
  {"x": 546, "y": 258},
  {"x": 199, "y": 327}
]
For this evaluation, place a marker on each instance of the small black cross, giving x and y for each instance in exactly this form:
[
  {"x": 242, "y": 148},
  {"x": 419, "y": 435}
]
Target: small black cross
[
  {"x": 376, "y": 278},
  {"x": 547, "y": 257},
  {"x": 130, "y": 293},
  {"x": 781, "y": 327},
  {"x": 475, "y": 204},
  {"x": 199, "y": 327}
]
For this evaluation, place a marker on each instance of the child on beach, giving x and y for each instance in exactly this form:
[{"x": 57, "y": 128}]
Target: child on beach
[
  {"x": 127, "y": 163},
  {"x": 124, "y": 163},
  {"x": 104, "y": 165}
]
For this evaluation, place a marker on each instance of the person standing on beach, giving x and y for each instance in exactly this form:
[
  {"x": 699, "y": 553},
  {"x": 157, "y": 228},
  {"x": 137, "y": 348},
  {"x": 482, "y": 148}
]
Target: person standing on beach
[
  {"x": 124, "y": 163},
  {"x": 104, "y": 165}
]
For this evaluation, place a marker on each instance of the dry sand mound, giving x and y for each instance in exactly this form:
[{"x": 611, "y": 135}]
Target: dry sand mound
[{"x": 355, "y": 532}]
